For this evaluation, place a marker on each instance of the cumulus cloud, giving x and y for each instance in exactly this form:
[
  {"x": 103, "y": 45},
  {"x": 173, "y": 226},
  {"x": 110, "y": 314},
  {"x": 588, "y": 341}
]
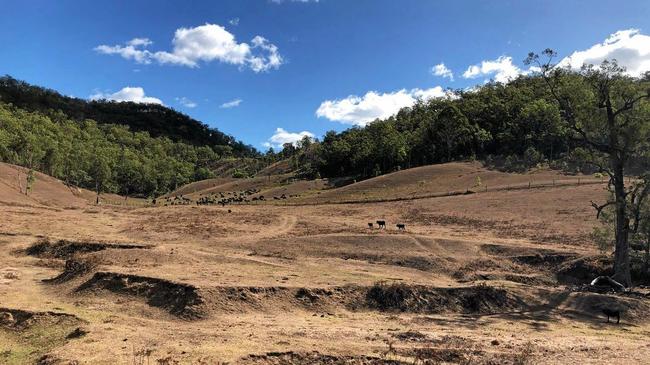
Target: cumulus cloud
[
  {"x": 281, "y": 136},
  {"x": 234, "y": 21},
  {"x": 205, "y": 43},
  {"x": 134, "y": 94},
  {"x": 442, "y": 71},
  {"x": 186, "y": 102},
  {"x": 231, "y": 104},
  {"x": 135, "y": 42},
  {"x": 127, "y": 51},
  {"x": 361, "y": 110},
  {"x": 629, "y": 47},
  {"x": 502, "y": 69}
]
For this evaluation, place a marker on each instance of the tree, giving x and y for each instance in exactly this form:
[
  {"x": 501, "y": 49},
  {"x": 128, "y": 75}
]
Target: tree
[
  {"x": 608, "y": 113},
  {"x": 31, "y": 178},
  {"x": 100, "y": 172},
  {"x": 644, "y": 233}
]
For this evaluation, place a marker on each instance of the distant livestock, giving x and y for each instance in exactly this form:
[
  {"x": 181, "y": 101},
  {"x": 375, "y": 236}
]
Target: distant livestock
[
  {"x": 381, "y": 224},
  {"x": 401, "y": 226},
  {"x": 610, "y": 312},
  {"x": 370, "y": 225}
]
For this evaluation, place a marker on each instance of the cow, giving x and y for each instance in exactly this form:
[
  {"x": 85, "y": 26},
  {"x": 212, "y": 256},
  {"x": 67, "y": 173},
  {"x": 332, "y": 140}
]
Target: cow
[
  {"x": 610, "y": 312},
  {"x": 401, "y": 226},
  {"x": 381, "y": 224},
  {"x": 370, "y": 225}
]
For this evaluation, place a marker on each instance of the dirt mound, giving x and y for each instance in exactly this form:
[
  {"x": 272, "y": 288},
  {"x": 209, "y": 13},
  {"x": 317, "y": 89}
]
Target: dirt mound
[
  {"x": 21, "y": 320},
  {"x": 74, "y": 268},
  {"x": 31, "y": 335},
  {"x": 544, "y": 260},
  {"x": 502, "y": 250},
  {"x": 313, "y": 358},
  {"x": 632, "y": 309},
  {"x": 241, "y": 299},
  {"x": 478, "y": 299},
  {"x": 429, "y": 264},
  {"x": 483, "y": 268},
  {"x": 526, "y": 279},
  {"x": 424, "y": 299},
  {"x": 584, "y": 270},
  {"x": 181, "y": 300},
  {"x": 64, "y": 249}
]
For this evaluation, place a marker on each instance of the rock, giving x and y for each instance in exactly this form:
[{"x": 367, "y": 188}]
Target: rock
[{"x": 6, "y": 319}]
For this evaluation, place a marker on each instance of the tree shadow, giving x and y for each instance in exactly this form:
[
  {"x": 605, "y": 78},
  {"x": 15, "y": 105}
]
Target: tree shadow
[{"x": 582, "y": 308}]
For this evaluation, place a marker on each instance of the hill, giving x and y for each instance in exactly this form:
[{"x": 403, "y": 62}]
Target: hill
[
  {"x": 157, "y": 120},
  {"x": 420, "y": 182},
  {"x": 443, "y": 179},
  {"x": 46, "y": 191}
]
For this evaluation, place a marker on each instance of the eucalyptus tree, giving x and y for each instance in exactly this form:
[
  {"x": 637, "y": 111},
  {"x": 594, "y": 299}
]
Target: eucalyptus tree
[{"x": 608, "y": 112}]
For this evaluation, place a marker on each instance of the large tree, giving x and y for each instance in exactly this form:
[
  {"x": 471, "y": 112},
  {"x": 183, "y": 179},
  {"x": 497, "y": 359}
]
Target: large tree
[{"x": 608, "y": 112}]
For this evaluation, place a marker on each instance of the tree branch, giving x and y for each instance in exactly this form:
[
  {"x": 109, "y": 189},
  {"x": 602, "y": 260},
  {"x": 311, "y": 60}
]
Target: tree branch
[
  {"x": 629, "y": 104},
  {"x": 599, "y": 208}
]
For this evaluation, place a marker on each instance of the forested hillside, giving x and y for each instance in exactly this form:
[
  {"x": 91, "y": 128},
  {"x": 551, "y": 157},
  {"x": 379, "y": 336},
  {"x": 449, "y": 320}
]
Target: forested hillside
[
  {"x": 157, "y": 120},
  {"x": 515, "y": 124},
  {"x": 512, "y": 126},
  {"x": 101, "y": 157}
]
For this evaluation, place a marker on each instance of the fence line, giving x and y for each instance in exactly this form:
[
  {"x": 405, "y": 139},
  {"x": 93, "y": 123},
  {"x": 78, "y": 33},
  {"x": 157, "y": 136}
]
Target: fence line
[{"x": 470, "y": 190}]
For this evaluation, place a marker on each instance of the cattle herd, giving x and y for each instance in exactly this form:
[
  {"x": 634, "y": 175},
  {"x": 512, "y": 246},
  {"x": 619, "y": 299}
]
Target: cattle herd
[
  {"x": 381, "y": 224},
  {"x": 222, "y": 198}
]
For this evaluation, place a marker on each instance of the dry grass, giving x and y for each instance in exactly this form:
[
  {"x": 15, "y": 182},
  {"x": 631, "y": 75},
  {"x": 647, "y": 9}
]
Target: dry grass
[{"x": 471, "y": 281}]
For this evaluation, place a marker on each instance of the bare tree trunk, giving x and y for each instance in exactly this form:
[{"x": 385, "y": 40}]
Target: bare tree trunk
[
  {"x": 622, "y": 248},
  {"x": 647, "y": 254}
]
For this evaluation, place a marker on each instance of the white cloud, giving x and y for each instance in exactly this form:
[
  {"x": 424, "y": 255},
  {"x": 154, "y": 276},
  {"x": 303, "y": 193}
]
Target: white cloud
[
  {"x": 629, "y": 47},
  {"x": 135, "y": 42},
  {"x": 130, "y": 52},
  {"x": 442, "y": 71},
  {"x": 186, "y": 102},
  {"x": 268, "y": 60},
  {"x": 234, "y": 21},
  {"x": 231, "y": 104},
  {"x": 134, "y": 94},
  {"x": 502, "y": 69},
  {"x": 205, "y": 43},
  {"x": 362, "y": 110},
  {"x": 281, "y": 137}
]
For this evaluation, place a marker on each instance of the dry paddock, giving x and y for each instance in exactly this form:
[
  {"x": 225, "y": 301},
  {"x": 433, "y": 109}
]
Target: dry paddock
[{"x": 472, "y": 280}]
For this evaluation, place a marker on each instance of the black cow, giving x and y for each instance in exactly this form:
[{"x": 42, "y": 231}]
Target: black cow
[
  {"x": 401, "y": 226},
  {"x": 381, "y": 224},
  {"x": 369, "y": 225},
  {"x": 610, "y": 312}
]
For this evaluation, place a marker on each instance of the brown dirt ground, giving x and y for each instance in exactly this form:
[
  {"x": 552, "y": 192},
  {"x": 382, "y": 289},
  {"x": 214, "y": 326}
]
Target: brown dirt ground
[{"x": 470, "y": 281}]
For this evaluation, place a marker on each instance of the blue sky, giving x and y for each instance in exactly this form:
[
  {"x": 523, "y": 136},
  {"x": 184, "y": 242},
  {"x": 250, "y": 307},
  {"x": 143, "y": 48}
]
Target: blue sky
[{"x": 249, "y": 67}]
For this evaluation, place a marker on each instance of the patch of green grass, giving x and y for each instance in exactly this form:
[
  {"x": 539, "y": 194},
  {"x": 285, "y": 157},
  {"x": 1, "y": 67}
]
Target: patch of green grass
[{"x": 26, "y": 346}]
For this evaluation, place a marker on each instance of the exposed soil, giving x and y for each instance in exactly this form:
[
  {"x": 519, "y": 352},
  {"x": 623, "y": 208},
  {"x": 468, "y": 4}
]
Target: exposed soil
[
  {"x": 182, "y": 300},
  {"x": 64, "y": 249},
  {"x": 481, "y": 299},
  {"x": 26, "y": 336},
  {"x": 73, "y": 269},
  {"x": 21, "y": 320},
  {"x": 313, "y": 358}
]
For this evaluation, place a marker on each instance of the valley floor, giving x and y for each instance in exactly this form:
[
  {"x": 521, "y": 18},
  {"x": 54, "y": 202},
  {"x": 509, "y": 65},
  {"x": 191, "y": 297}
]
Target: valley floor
[{"x": 473, "y": 279}]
